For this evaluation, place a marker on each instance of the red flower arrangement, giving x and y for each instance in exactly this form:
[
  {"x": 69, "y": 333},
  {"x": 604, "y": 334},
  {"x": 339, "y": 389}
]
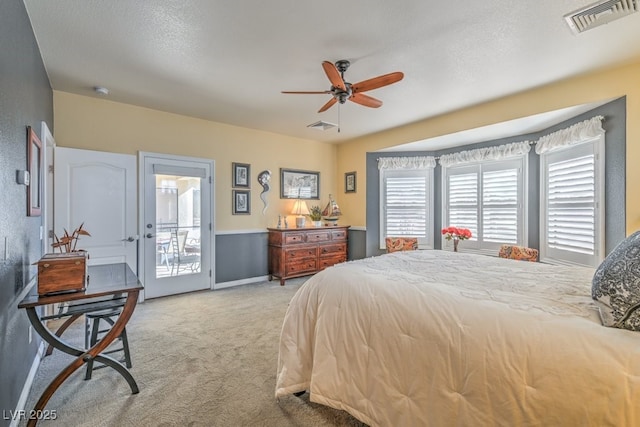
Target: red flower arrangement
[{"x": 456, "y": 234}]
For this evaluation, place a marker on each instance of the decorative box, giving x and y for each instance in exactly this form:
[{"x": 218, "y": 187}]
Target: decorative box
[{"x": 64, "y": 272}]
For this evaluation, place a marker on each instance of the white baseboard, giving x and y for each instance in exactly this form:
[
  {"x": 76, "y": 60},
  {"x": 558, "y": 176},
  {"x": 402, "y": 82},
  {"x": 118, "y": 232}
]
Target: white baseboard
[
  {"x": 223, "y": 285},
  {"x": 22, "y": 401}
]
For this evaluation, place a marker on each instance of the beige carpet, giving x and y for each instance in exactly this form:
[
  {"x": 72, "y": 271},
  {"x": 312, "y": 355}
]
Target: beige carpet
[{"x": 200, "y": 359}]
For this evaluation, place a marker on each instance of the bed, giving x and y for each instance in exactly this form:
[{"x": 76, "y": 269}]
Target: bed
[{"x": 434, "y": 338}]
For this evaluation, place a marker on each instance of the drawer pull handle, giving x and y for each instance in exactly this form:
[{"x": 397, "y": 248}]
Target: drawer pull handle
[
  {"x": 46, "y": 265},
  {"x": 77, "y": 262}
]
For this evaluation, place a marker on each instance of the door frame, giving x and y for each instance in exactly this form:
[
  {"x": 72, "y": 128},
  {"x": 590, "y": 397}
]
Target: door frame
[
  {"x": 49, "y": 145},
  {"x": 142, "y": 156}
]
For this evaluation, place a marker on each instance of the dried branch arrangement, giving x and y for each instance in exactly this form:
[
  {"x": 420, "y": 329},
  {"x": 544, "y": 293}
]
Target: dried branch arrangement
[{"x": 68, "y": 242}]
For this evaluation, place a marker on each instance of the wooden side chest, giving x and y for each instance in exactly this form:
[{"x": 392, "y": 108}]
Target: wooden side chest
[
  {"x": 296, "y": 252},
  {"x": 64, "y": 272}
]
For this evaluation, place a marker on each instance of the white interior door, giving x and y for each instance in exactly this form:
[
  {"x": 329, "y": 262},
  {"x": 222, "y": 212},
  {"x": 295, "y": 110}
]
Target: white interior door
[
  {"x": 98, "y": 189},
  {"x": 177, "y": 206}
]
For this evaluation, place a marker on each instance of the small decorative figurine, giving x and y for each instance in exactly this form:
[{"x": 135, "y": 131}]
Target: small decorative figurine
[
  {"x": 263, "y": 178},
  {"x": 285, "y": 223},
  {"x": 279, "y": 221}
]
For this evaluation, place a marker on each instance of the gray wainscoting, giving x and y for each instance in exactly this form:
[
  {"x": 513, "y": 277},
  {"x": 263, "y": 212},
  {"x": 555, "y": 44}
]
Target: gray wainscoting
[
  {"x": 357, "y": 243},
  {"x": 243, "y": 256}
]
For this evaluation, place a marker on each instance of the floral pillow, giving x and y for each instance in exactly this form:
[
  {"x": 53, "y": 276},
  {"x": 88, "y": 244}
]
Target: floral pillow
[{"x": 616, "y": 285}]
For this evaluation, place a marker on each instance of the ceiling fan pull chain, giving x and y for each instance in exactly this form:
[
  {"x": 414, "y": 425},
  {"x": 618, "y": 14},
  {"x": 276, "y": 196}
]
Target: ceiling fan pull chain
[{"x": 338, "y": 118}]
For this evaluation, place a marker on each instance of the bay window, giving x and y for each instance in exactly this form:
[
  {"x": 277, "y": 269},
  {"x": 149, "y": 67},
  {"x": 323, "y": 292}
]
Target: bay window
[{"x": 484, "y": 191}]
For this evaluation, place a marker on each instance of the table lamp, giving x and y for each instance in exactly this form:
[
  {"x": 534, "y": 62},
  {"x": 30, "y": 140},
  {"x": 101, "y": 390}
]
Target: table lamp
[{"x": 300, "y": 209}]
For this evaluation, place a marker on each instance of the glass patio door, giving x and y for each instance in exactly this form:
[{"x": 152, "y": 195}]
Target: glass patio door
[{"x": 177, "y": 226}]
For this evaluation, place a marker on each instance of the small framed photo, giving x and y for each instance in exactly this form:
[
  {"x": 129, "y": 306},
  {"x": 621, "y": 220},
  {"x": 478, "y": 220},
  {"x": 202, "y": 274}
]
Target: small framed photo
[
  {"x": 350, "y": 182},
  {"x": 241, "y": 202},
  {"x": 241, "y": 174}
]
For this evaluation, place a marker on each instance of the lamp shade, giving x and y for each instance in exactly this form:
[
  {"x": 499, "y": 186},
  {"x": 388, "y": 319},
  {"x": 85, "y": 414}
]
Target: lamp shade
[{"x": 300, "y": 208}]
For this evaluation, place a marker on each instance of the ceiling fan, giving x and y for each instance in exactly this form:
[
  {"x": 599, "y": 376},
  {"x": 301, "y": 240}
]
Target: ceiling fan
[{"x": 341, "y": 90}]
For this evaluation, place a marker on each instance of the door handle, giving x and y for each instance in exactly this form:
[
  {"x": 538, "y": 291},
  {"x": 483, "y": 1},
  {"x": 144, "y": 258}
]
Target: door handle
[
  {"x": 130, "y": 239},
  {"x": 148, "y": 235}
]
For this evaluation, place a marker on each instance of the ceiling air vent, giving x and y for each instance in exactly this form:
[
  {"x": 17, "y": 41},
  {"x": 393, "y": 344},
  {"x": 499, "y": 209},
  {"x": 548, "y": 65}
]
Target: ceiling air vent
[
  {"x": 600, "y": 13},
  {"x": 321, "y": 125}
]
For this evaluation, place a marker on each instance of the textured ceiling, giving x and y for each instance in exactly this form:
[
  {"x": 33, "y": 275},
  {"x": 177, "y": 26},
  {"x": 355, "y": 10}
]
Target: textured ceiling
[{"x": 227, "y": 61}]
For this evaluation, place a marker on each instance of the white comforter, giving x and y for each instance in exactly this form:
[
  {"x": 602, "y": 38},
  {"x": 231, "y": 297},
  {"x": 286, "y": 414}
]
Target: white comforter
[{"x": 435, "y": 338}]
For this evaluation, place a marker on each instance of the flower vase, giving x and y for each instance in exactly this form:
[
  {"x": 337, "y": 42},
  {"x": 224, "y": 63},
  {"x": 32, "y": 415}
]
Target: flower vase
[{"x": 455, "y": 244}]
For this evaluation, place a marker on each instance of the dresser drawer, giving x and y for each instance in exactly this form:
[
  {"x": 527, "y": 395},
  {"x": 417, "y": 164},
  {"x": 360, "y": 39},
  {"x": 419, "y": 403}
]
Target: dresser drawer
[
  {"x": 291, "y": 255},
  {"x": 293, "y": 238},
  {"x": 302, "y": 266},
  {"x": 329, "y": 261},
  {"x": 319, "y": 236},
  {"x": 339, "y": 235},
  {"x": 337, "y": 248}
]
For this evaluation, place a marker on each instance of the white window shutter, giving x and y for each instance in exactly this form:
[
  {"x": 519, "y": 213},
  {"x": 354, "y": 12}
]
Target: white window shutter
[
  {"x": 500, "y": 206},
  {"x": 463, "y": 201},
  {"x": 572, "y": 212},
  {"x": 571, "y": 205},
  {"x": 407, "y": 205},
  {"x": 488, "y": 199}
]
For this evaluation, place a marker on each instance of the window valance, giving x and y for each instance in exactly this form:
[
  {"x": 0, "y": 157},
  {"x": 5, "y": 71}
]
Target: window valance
[
  {"x": 417, "y": 162},
  {"x": 499, "y": 152},
  {"x": 572, "y": 135}
]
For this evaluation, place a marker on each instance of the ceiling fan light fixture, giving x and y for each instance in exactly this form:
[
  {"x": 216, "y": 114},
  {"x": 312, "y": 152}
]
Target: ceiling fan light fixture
[
  {"x": 342, "y": 91},
  {"x": 322, "y": 125}
]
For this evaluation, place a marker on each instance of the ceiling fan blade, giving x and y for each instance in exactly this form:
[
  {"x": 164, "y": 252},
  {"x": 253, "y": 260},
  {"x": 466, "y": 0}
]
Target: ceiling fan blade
[
  {"x": 328, "y": 105},
  {"x": 334, "y": 75},
  {"x": 377, "y": 82},
  {"x": 367, "y": 101},
  {"x": 323, "y": 92}
]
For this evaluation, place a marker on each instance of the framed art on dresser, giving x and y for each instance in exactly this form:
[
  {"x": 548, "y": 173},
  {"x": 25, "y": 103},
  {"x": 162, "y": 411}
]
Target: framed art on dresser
[{"x": 298, "y": 184}]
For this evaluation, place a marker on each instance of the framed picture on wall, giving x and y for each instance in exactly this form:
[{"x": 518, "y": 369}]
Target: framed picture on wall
[
  {"x": 241, "y": 174},
  {"x": 34, "y": 167},
  {"x": 241, "y": 202},
  {"x": 297, "y": 184},
  {"x": 350, "y": 182}
]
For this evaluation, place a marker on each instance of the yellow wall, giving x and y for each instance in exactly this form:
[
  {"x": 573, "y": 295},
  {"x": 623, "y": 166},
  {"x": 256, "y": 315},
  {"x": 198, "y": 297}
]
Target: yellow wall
[
  {"x": 96, "y": 124},
  {"x": 102, "y": 125},
  {"x": 599, "y": 86}
]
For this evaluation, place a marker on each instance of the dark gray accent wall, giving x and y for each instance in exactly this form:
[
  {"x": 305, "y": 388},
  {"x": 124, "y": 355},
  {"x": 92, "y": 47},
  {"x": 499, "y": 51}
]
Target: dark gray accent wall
[
  {"x": 241, "y": 256},
  {"x": 357, "y": 244},
  {"x": 26, "y": 99},
  {"x": 615, "y": 122}
]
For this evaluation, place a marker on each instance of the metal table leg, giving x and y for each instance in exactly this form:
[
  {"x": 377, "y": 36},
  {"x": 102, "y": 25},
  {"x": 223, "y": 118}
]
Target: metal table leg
[{"x": 83, "y": 356}]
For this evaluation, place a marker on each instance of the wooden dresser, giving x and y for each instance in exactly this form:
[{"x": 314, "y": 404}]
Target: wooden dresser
[{"x": 295, "y": 252}]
